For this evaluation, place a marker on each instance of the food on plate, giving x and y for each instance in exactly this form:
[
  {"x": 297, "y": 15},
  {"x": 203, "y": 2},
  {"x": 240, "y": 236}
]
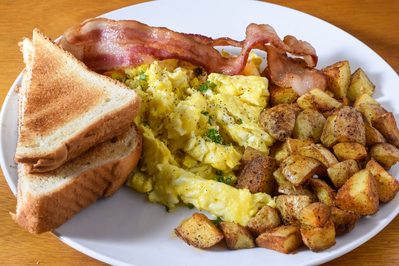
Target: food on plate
[
  {"x": 283, "y": 239},
  {"x": 360, "y": 84},
  {"x": 77, "y": 127},
  {"x": 338, "y": 78},
  {"x": 236, "y": 236},
  {"x": 47, "y": 200},
  {"x": 319, "y": 238},
  {"x": 65, "y": 108},
  {"x": 265, "y": 219}
]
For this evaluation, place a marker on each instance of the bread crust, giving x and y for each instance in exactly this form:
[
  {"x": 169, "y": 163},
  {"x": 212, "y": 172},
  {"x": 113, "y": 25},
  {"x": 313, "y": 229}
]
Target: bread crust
[{"x": 39, "y": 214}]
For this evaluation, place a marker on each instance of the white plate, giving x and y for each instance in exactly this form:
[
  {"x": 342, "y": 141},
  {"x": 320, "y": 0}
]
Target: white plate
[{"x": 128, "y": 230}]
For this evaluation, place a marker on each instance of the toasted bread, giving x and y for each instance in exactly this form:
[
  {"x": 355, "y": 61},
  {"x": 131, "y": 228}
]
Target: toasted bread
[
  {"x": 65, "y": 108},
  {"x": 47, "y": 200}
]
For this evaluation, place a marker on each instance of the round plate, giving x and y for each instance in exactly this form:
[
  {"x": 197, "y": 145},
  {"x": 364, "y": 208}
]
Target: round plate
[{"x": 127, "y": 229}]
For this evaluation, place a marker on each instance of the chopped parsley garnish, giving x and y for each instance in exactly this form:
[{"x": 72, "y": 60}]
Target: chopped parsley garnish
[
  {"x": 208, "y": 85},
  {"x": 143, "y": 77},
  {"x": 209, "y": 120},
  {"x": 167, "y": 208},
  {"x": 147, "y": 124},
  {"x": 213, "y": 134},
  {"x": 142, "y": 88},
  {"x": 219, "y": 179},
  {"x": 240, "y": 121},
  {"x": 198, "y": 71},
  {"x": 190, "y": 206},
  {"x": 228, "y": 181},
  {"x": 204, "y": 112},
  {"x": 218, "y": 172},
  {"x": 218, "y": 220}
]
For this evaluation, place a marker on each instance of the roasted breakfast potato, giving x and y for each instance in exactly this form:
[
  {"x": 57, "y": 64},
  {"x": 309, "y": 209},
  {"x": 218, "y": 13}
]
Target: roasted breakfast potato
[
  {"x": 388, "y": 186},
  {"x": 323, "y": 155},
  {"x": 386, "y": 124},
  {"x": 338, "y": 78},
  {"x": 236, "y": 236},
  {"x": 283, "y": 239},
  {"x": 386, "y": 154},
  {"x": 278, "y": 121},
  {"x": 290, "y": 206},
  {"x": 371, "y": 111},
  {"x": 279, "y": 151},
  {"x": 364, "y": 98},
  {"x": 315, "y": 214},
  {"x": 281, "y": 95},
  {"x": 359, "y": 84},
  {"x": 349, "y": 150},
  {"x": 199, "y": 231},
  {"x": 309, "y": 124},
  {"x": 373, "y": 136},
  {"x": 287, "y": 188},
  {"x": 319, "y": 238},
  {"x": 349, "y": 127},
  {"x": 319, "y": 100},
  {"x": 257, "y": 175},
  {"x": 248, "y": 155},
  {"x": 267, "y": 218},
  {"x": 327, "y": 136},
  {"x": 295, "y": 144},
  {"x": 323, "y": 191},
  {"x": 359, "y": 194},
  {"x": 344, "y": 221},
  {"x": 340, "y": 172},
  {"x": 298, "y": 169},
  {"x": 279, "y": 177}
]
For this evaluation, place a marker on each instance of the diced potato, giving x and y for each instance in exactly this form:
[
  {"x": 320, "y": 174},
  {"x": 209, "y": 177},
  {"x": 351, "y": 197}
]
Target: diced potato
[
  {"x": 340, "y": 172},
  {"x": 349, "y": 126},
  {"x": 319, "y": 238},
  {"x": 236, "y": 236},
  {"x": 317, "y": 151},
  {"x": 315, "y": 214},
  {"x": 295, "y": 144},
  {"x": 373, "y": 136},
  {"x": 279, "y": 177},
  {"x": 257, "y": 175},
  {"x": 330, "y": 93},
  {"x": 309, "y": 124},
  {"x": 318, "y": 99},
  {"x": 386, "y": 124},
  {"x": 278, "y": 121},
  {"x": 298, "y": 169},
  {"x": 327, "y": 136},
  {"x": 265, "y": 219},
  {"x": 388, "y": 186},
  {"x": 249, "y": 154},
  {"x": 283, "y": 239},
  {"x": 287, "y": 188},
  {"x": 344, "y": 221},
  {"x": 359, "y": 194},
  {"x": 360, "y": 84},
  {"x": 199, "y": 231},
  {"x": 338, "y": 78},
  {"x": 324, "y": 192},
  {"x": 349, "y": 150},
  {"x": 297, "y": 109},
  {"x": 290, "y": 206},
  {"x": 345, "y": 101},
  {"x": 281, "y": 95},
  {"x": 364, "y": 98},
  {"x": 386, "y": 154},
  {"x": 370, "y": 111}
]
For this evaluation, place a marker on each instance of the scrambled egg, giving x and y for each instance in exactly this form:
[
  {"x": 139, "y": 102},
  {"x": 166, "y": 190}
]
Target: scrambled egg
[{"x": 195, "y": 128}]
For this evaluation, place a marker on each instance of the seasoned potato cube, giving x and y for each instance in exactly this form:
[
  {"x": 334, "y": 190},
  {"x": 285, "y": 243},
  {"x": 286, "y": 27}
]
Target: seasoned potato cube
[
  {"x": 298, "y": 169},
  {"x": 281, "y": 95},
  {"x": 265, "y": 219},
  {"x": 370, "y": 111},
  {"x": 318, "y": 99},
  {"x": 344, "y": 221},
  {"x": 340, "y": 172},
  {"x": 338, "y": 78},
  {"x": 199, "y": 231},
  {"x": 257, "y": 175},
  {"x": 359, "y": 194},
  {"x": 318, "y": 152},
  {"x": 330, "y": 93},
  {"x": 315, "y": 214},
  {"x": 290, "y": 206},
  {"x": 387, "y": 185},
  {"x": 278, "y": 121},
  {"x": 309, "y": 124},
  {"x": 359, "y": 84},
  {"x": 327, "y": 136},
  {"x": 295, "y": 144},
  {"x": 349, "y": 150},
  {"x": 373, "y": 136},
  {"x": 349, "y": 126},
  {"x": 236, "y": 236},
  {"x": 386, "y": 124},
  {"x": 364, "y": 98},
  {"x": 319, "y": 238},
  {"x": 249, "y": 154},
  {"x": 345, "y": 101},
  {"x": 324, "y": 192},
  {"x": 283, "y": 239},
  {"x": 279, "y": 151},
  {"x": 279, "y": 177},
  {"x": 288, "y": 188},
  {"x": 386, "y": 154}
]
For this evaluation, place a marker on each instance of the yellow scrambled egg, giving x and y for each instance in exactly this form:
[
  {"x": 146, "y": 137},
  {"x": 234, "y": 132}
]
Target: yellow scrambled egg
[{"x": 195, "y": 128}]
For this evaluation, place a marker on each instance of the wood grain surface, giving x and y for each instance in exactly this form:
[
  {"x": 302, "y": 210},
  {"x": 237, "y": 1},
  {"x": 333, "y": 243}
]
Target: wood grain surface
[{"x": 374, "y": 22}]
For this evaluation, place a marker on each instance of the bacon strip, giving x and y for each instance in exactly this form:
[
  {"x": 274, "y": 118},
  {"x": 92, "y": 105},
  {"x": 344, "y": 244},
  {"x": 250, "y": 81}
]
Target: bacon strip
[{"x": 104, "y": 44}]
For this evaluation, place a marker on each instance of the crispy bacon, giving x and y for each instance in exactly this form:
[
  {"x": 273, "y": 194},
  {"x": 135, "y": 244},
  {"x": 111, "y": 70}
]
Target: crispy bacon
[{"x": 104, "y": 44}]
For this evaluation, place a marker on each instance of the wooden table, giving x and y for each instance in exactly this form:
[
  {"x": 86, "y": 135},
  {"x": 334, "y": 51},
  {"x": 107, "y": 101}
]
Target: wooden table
[{"x": 374, "y": 22}]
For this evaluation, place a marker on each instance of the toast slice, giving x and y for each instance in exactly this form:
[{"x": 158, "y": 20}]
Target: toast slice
[
  {"x": 65, "y": 108},
  {"x": 47, "y": 200}
]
